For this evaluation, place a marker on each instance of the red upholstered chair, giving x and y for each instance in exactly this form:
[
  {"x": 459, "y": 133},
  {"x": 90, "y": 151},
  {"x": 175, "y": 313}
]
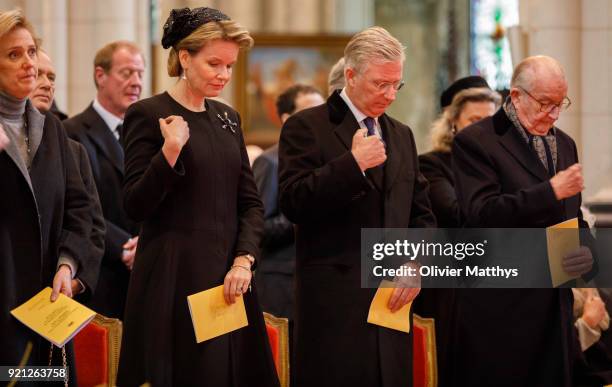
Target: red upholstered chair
[
  {"x": 425, "y": 364},
  {"x": 96, "y": 352},
  {"x": 278, "y": 335}
]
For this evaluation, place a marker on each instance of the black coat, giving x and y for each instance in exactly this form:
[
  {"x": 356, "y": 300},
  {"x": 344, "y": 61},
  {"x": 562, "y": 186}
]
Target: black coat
[
  {"x": 196, "y": 218},
  {"x": 434, "y": 303},
  {"x": 437, "y": 167},
  {"x": 328, "y": 198},
  {"x": 276, "y": 269},
  {"x": 43, "y": 213},
  {"x": 511, "y": 337},
  {"x": 90, "y": 274},
  {"x": 106, "y": 158}
]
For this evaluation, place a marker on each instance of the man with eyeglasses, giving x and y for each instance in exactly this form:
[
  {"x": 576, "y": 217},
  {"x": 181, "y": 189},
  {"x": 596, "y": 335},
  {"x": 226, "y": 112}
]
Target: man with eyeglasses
[
  {"x": 346, "y": 165},
  {"x": 118, "y": 71},
  {"x": 517, "y": 170}
]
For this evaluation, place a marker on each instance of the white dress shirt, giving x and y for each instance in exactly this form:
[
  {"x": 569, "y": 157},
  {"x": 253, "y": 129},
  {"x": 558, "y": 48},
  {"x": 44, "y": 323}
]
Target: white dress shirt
[{"x": 111, "y": 120}]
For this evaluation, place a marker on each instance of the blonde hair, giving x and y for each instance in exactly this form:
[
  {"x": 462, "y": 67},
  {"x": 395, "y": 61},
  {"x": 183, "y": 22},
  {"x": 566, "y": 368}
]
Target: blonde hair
[
  {"x": 10, "y": 20},
  {"x": 224, "y": 29},
  {"x": 335, "y": 80},
  {"x": 374, "y": 43},
  {"x": 442, "y": 128}
]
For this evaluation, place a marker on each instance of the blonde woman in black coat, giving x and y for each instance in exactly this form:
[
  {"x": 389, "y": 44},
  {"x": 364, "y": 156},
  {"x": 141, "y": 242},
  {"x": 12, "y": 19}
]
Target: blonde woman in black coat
[
  {"x": 188, "y": 180},
  {"x": 45, "y": 219}
]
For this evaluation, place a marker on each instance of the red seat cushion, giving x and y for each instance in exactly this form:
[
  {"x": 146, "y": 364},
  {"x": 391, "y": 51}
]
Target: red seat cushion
[
  {"x": 419, "y": 357},
  {"x": 91, "y": 355},
  {"x": 274, "y": 343}
]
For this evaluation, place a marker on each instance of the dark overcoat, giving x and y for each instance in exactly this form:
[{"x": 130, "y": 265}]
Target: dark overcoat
[
  {"x": 324, "y": 192},
  {"x": 435, "y": 303},
  {"x": 106, "y": 158},
  {"x": 196, "y": 217},
  {"x": 437, "y": 167},
  {"x": 511, "y": 337},
  {"x": 43, "y": 212},
  {"x": 276, "y": 269}
]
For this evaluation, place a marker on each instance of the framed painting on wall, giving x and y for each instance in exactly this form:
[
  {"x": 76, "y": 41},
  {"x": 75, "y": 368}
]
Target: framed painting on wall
[{"x": 270, "y": 67}]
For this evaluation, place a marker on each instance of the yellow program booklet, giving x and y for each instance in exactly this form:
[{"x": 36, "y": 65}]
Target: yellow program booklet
[
  {"x": 56, "y": 321},
  {"x": 562, "y": 238},
  {"x": 380, "y": 314},
  {"x": 212, "y": 317}
]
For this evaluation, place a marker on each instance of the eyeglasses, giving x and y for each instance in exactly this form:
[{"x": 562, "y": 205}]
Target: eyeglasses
[
  {"x": 383, "y": 87},
  {"x": 549, "y": 107}
]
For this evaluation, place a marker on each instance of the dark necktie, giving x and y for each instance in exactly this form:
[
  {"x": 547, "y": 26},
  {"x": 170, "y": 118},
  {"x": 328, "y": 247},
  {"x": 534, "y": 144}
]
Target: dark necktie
[
  {"x": 375, "y": 173},
  {"x": 116, "y": 147},
  {"x": 119, "y": 130},
  {"x": 369, "y": 123}
]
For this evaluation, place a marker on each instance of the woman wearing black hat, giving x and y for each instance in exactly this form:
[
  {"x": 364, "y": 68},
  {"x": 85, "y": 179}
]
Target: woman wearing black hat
[
  {"x": 464, "y": 102},
  {"x": 189, "y": 182}
]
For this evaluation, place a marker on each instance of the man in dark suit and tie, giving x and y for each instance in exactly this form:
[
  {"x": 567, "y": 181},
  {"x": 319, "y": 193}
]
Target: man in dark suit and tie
[
  {"x": 344, "y": 166},
  {"x": 517, "y": 170},
  {"x": 118, "y": 71}
]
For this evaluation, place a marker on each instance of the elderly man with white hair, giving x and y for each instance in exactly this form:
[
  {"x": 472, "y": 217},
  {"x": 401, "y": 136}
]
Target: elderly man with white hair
[
  {"x": 346, "y": 165},
  {"x": 517, "y": 170}
]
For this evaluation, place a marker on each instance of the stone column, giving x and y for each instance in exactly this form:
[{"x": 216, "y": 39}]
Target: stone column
[
  {"x": 554, "y": 28},
  {"x": 92, "y": 24},
  {"x": 50, "y": 22},
  {"x": 596, "y": 120}
]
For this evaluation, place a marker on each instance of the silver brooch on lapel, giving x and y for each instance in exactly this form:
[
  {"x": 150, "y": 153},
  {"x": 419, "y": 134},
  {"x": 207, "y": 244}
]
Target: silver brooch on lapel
[{"x": 227, "y": 123}]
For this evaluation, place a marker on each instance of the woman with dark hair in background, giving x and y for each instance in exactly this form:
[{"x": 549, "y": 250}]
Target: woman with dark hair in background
[{"x": 188, "y": 180}]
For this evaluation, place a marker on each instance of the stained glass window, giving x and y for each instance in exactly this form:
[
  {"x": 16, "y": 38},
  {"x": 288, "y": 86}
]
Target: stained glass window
[{"x": 490, "y": 51}]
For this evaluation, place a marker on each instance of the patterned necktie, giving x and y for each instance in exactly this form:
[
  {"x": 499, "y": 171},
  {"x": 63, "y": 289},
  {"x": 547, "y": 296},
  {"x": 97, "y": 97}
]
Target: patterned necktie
[
  {"x": 369, "y": 123},
  {"x": 549, "y": 164}
]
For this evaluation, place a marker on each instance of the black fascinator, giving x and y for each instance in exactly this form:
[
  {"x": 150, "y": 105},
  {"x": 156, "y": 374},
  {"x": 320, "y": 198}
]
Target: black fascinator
[{"x": 184, "y": 21}]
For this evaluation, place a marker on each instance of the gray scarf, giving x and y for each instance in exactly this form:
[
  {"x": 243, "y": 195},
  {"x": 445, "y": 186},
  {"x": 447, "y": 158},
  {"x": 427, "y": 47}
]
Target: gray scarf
[{"x": 536, "y": 141}]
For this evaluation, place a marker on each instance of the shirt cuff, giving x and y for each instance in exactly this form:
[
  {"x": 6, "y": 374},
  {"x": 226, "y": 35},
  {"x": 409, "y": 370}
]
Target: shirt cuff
[
  {"x": 586, "y": 335},
  {"x": 70, "y": 262},
  {"x": 82, "y": 286}
]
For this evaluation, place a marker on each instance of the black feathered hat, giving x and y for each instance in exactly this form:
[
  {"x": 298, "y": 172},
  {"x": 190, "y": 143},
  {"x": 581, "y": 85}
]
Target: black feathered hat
[{"x": 184, "y": 21}]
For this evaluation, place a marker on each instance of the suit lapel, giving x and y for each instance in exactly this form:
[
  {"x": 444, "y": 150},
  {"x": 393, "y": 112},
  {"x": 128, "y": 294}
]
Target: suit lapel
[
  {"x": 515, "y": 144},
  {"x": 341, "y": 116},
  {"x": 564, "y": 153},
  {"x": 394, "y": 152},
  {"x": 99, "y": 133}
]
